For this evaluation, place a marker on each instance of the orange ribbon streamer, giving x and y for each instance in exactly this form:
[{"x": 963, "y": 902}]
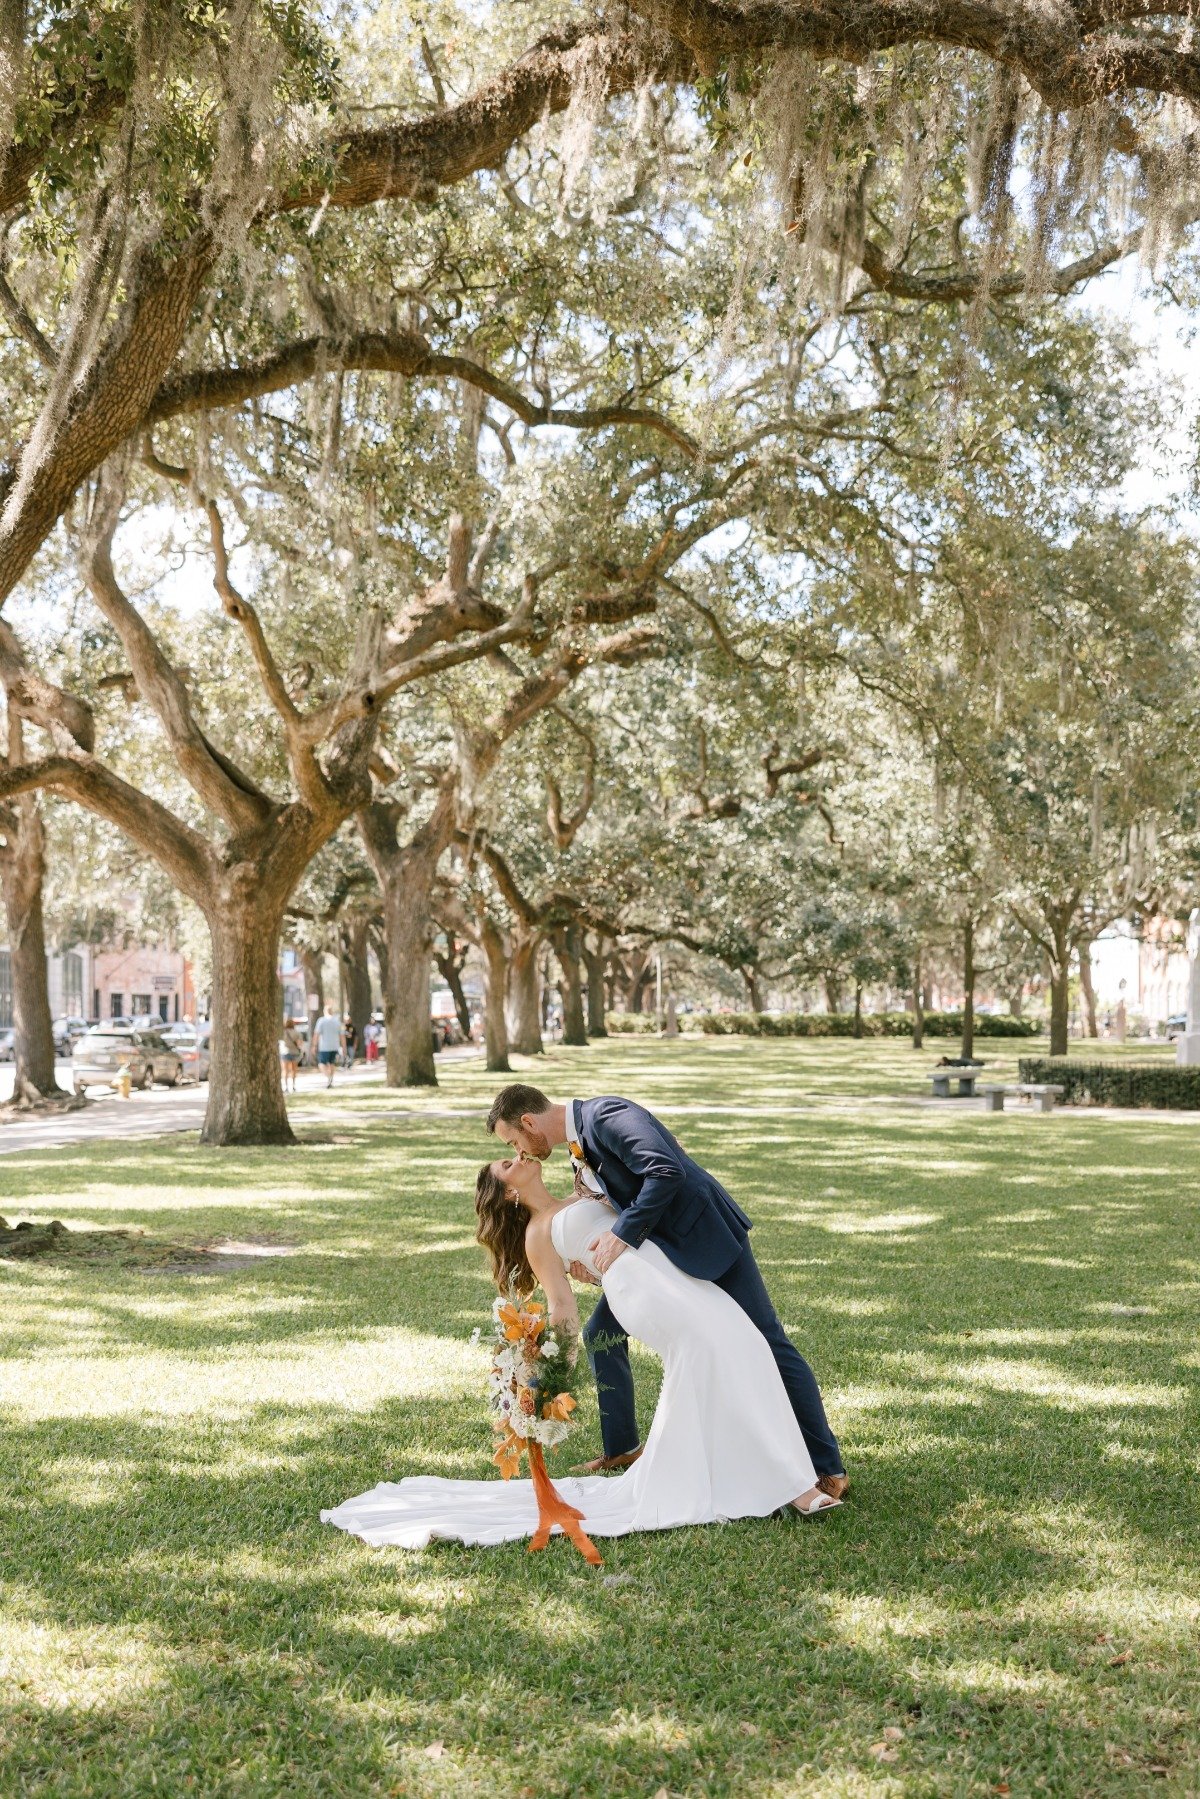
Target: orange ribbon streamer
[{"x": 553, "y": 1509}]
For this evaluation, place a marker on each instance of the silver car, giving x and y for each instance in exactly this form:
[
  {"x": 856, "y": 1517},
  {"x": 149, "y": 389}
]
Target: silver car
[
  {"x": 191, "y": 1046},
  {"x": 99, "y": 1057}
]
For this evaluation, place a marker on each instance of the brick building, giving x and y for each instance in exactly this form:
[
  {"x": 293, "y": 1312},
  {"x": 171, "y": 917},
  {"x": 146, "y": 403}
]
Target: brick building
[{"x": 125, "y": 983}]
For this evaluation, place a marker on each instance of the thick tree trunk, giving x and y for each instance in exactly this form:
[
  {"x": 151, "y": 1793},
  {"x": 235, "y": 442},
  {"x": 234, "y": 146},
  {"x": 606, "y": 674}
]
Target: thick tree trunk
[
  {"x": 406, "y": 875},
  {"x": 450, "y": 968},
  {"x": 594, "y": 960},
  {"x": 314, "y": 988},
  {"x": 407, "y": 894},
  {"x": 833, "y": 994},
  {"x": 245, "y": 1092},
  {"x": 640, "y": 977},
  {"x": 524, "y": 1002},
  {"x": 968, "y": 1028},
  {"x": 567, "y": 951},
  {"x": 22, "y": 871},
  {"x": 495, "y": 1026},
  {"x": 1016, "y": 1003},
  {"x": 356, "y": 975},
  {"x": 753, "y": 988},
  {"x": 1088, "y": 990},
  {"x": 918, "y": 1011},
  {"x": 1060, "y": 999}
]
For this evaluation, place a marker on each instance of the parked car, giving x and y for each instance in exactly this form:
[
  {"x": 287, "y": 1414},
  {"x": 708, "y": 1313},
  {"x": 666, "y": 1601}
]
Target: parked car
[
  {"x": 67, "y": 1032},
  {"x": 8, "y": 1041},
  {"x": 100, "y": 1055},
  {"x": 1177, "y": 1024},
  {"x": 191, "y": 1045}
]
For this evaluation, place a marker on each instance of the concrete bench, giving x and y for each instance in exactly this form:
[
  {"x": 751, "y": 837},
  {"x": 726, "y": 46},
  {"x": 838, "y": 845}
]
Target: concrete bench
[
  {"x": 966, "y": 1078},
  {"x": 1041, "y": 1099}
]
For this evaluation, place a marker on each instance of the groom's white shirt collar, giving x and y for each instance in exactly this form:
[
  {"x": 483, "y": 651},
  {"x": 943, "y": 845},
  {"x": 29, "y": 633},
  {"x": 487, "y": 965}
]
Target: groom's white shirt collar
[{"x": 575, "y": 1146}]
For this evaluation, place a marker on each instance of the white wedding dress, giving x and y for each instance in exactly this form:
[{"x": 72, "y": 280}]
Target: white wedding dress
[{"x": 724, "y": 1442}]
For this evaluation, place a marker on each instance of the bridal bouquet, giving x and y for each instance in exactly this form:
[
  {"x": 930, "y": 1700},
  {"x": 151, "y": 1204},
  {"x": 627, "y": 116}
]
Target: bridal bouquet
[
  {"x": 532, "y": 1403},
  {"x": 530, "y": 1382}
]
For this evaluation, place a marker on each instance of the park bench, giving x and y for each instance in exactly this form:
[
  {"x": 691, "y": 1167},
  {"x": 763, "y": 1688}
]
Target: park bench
[
  {"x": 1041, "y": 1098},
  {"x": 965, "y": 1075}
]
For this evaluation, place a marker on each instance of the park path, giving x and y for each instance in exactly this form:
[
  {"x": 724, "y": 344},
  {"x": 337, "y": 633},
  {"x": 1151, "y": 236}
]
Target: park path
[{"x": 165, "y": 1110}]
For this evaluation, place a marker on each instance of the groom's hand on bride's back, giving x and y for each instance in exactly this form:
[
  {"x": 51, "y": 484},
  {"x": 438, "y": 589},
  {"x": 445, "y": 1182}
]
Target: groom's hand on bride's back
[{"x": 606, "y": 1249}]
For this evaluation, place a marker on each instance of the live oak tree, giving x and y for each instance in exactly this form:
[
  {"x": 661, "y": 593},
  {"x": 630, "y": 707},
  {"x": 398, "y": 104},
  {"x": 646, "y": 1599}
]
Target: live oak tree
[
  {"x": 157, "y": 249},
  {"x": 1071, "y": 736},
  {"x": 22, "y": 871}
]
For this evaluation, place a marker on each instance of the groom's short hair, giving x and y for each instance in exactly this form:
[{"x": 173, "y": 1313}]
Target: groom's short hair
[{"x": 513, "y": 1102}]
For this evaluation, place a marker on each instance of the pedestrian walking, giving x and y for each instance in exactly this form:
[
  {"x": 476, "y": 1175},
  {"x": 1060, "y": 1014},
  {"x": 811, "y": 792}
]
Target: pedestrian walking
[
  {"x": 289, "y": 1054},
  {"x": 329, "y": 1042}
]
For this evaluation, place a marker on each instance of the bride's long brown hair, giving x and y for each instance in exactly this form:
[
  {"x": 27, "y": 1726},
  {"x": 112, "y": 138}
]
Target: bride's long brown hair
[{"x": 501, "y": 1230}]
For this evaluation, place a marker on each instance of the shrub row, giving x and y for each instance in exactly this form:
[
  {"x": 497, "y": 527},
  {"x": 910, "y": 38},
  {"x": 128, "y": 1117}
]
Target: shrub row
[
  {"x": 824, "y": 1024},
  {"x": 841, "y": 1024},
  {"x": 1116, "y": 1083}
]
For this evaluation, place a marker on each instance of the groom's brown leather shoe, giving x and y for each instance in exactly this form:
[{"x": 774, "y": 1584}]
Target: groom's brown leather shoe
[
  {"x": 836, "y": 1485},
  {"x": 606, "y": 1464}
]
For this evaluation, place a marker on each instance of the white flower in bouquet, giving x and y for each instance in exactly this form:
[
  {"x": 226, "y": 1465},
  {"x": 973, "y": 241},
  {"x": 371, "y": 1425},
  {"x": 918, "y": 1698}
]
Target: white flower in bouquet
[{"x": 550, "y": 1347}]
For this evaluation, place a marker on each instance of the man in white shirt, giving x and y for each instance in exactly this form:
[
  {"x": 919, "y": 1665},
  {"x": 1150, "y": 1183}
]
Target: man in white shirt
[{"x": 329, "y": 1041}]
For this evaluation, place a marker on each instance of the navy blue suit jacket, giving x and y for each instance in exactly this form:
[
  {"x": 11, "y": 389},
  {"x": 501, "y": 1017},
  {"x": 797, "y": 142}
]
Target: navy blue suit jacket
[{"x": 658, "y": 1190}]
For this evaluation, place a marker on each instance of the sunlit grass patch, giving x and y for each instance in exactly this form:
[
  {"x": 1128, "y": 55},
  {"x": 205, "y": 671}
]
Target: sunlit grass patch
[{"x": 1003, "y": 1313}]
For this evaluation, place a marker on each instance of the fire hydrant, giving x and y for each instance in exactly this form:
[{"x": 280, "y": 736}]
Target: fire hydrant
[{"x": 124, "y": 1082}]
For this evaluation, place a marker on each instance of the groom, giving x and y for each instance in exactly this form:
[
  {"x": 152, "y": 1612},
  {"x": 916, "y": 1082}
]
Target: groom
[{"x": 621, "y": 1150}]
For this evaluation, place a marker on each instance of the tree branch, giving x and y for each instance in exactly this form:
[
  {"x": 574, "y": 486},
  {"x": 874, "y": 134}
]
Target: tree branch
[
  {"x": 1072, "y": 55},
  {"x": 414, "y": 158},
  {"x": 220, "y": 785},
  {"x": 182, "y": 851},
  {"x": 306, "y": 770},
  {"x": 24, "y": 325},
  {"x": 31, "y": 696},
  {"x": 392, "y": 352}
]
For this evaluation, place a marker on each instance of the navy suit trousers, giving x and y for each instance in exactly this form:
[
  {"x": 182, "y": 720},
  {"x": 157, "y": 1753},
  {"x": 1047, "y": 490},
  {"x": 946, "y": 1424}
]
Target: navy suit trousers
[{"x": 608, "y": 1351}]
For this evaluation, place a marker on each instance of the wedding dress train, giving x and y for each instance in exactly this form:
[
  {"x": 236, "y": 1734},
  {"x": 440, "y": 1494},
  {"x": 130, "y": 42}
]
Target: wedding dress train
[{"x": 724, "y": 1442}]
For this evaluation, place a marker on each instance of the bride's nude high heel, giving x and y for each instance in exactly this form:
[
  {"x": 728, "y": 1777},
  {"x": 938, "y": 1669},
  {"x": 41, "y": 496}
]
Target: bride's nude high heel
[{"x": 812, "y": 1508}]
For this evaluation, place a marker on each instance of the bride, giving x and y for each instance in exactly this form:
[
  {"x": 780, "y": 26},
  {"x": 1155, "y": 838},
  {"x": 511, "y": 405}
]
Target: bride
[{"x": 724, "y": 1442}]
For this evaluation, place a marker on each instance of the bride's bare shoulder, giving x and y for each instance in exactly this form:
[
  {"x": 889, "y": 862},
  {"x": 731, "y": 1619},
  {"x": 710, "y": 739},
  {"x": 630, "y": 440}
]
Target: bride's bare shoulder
[{"x": 538, "y": 1229}]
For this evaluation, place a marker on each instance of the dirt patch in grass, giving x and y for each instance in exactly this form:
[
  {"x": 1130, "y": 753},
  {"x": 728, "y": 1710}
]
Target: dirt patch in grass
[{"x": 127, "y": 1249}]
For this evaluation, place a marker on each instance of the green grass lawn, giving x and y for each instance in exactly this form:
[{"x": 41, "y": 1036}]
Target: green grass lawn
[{"x": 1003, "y": 1312}]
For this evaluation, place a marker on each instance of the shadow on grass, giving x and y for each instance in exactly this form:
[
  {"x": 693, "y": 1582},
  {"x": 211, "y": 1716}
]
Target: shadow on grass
[
  {"x": 1001, "y": 1311},
  {"x": 194, "y": 1562}
]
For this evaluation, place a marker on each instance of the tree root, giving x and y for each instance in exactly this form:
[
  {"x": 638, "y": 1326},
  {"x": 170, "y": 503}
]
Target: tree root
[{"x": 27, "y": 1101}]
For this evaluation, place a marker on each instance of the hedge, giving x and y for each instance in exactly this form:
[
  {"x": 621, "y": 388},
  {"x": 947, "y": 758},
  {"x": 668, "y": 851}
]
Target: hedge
[
  {"x": 824, "y": 1024},
  {"x": 1116, "y": 1083},
  {"x": 841, "y": 1024}
]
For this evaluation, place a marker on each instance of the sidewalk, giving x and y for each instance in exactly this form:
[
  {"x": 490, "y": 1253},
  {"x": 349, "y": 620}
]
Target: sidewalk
[{"x": 163, "y": 1109}]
